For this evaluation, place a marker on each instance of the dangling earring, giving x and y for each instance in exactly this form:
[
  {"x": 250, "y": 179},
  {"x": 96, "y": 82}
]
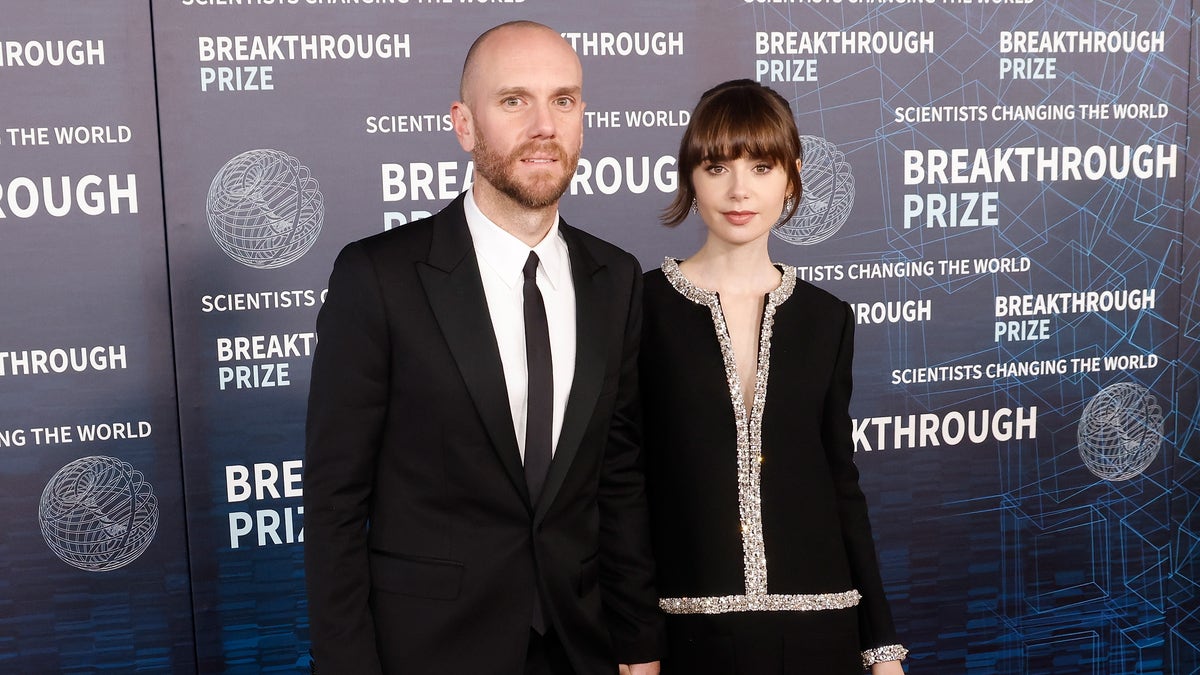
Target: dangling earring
[
  {"x": 695, "y": 207},
  {"x": 787, "y": 209}
]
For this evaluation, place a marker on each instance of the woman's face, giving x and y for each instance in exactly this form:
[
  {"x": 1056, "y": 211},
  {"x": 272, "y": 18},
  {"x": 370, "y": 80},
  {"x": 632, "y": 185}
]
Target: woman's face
[{"x": 740, "y": 199}]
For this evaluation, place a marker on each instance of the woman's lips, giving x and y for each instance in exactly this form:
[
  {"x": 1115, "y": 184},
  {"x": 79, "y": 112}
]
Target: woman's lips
[{"x": 739, "y": 217}]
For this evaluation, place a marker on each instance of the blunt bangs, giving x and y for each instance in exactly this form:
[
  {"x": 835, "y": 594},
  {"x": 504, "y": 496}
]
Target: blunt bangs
[{"x": 734, "y": 127}]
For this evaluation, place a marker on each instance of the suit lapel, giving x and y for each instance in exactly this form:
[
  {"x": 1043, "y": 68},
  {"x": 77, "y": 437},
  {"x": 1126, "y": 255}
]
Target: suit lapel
[
  {"x": 455, "y": 292},
  {"x": 590, "y": 301}
]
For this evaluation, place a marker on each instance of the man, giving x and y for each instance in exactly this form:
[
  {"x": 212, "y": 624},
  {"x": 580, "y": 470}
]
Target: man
[{"x": 473, "y": 498}]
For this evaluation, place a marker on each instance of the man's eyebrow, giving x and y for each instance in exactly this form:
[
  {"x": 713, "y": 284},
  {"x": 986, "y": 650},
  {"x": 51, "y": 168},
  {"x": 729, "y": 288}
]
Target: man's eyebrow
[
  {"x": 511, "y": 91},
  {"x": 573, "y": 90}
]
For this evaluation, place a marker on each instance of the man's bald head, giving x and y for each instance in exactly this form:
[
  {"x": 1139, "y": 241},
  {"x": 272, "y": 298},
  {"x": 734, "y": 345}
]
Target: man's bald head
[{"x": 479, "y": 49}]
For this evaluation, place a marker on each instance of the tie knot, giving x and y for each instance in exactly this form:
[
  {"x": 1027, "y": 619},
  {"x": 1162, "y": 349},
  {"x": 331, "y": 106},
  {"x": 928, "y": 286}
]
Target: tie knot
[{"x": 531, "y": 265}]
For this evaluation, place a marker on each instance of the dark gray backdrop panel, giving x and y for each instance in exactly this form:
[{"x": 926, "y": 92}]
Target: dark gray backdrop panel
[
  {"x": 94, "y": 569},
  {"x": 314, "y": 121}
]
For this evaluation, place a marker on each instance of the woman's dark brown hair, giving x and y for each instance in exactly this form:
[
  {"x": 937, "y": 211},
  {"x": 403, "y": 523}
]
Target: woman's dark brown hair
[{"x": 735, "y": 119}]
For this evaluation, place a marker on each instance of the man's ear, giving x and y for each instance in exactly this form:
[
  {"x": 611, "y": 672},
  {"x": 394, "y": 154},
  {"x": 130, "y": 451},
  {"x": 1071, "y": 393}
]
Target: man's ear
[{"x": 464, "y": 128}]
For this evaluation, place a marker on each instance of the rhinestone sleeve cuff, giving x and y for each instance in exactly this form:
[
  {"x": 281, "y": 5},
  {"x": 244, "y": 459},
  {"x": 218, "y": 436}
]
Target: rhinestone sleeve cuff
[{"x": 880, "y": 654}]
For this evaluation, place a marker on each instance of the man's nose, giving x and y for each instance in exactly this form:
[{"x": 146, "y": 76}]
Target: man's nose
[{"x": 543, "y": 123}]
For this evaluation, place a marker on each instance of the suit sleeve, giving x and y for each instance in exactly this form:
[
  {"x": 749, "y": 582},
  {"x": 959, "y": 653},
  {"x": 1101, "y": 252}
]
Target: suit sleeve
[
  {"x": 346, "y": 409},
  {"x": 876, "y": 630},
  {"x": 626, "y": 562}
]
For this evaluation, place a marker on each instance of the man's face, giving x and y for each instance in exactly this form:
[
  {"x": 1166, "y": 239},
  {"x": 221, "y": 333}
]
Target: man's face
[{"x": 522, "y": 117}]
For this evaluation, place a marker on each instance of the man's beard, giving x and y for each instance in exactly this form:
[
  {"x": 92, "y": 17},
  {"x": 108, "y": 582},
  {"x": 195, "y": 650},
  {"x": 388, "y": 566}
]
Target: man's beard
[{"x": 535, "y": 193}]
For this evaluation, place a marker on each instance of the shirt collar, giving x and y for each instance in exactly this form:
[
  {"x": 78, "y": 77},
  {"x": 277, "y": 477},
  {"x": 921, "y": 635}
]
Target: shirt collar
[{"x": 506, "y": 254}]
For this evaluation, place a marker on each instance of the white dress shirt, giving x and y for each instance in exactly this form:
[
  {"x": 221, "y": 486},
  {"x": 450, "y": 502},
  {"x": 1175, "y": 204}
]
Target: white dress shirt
[{"x": 501, "y": 261}]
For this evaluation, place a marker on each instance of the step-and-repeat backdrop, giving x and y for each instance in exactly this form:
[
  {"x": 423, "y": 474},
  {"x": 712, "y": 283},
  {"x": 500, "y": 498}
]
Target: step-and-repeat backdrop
[{"x": 1002, "y": 189}]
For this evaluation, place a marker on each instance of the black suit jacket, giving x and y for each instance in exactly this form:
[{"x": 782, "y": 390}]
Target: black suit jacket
[{"x": 422, "y": 546}]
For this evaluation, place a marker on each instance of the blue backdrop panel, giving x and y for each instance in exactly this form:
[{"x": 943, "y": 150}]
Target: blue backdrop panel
[{"x": 1183, "y": 639}]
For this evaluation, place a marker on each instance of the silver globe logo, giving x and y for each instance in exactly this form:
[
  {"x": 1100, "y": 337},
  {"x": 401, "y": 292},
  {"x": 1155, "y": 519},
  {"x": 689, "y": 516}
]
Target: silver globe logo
[
  {"x": 264, "y": 209},
  {"x": 1120, "y": 432},
  {"x": 826, "y": 197},
  {"x": 98, "y": 514}
]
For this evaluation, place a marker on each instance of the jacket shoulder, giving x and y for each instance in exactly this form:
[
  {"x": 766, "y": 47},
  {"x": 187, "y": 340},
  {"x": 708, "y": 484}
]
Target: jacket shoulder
[
  {"x": 411, "y": 240},
  {"x": 818, "y": 298},
  {"x": 602, "y": 251},
  {"x": 656, "y": 283}
]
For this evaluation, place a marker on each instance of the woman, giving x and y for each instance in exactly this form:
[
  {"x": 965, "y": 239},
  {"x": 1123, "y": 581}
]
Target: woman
[{"x": 765, "y": 559}]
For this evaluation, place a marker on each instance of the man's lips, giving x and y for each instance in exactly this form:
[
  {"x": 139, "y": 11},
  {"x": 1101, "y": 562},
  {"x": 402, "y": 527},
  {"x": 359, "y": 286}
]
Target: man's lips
[{"x": 536, "y": 154}]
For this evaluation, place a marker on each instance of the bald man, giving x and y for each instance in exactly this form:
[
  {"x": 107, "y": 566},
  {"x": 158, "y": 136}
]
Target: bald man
[{"x": 473, "y": 493}]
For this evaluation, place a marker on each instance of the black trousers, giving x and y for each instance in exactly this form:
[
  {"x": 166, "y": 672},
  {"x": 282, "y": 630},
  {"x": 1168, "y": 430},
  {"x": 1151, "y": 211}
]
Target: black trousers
[{"x": 546, "y": 655}]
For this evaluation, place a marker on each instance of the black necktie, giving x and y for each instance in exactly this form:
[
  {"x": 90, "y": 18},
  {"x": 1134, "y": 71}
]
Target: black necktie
[{"x": 539, "y": 414}]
